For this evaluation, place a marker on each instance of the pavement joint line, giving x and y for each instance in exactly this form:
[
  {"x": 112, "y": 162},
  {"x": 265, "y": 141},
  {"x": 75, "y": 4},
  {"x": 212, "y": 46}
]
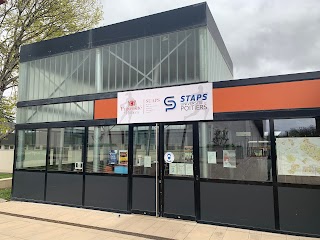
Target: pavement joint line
[{"x": 86, "y": 226}]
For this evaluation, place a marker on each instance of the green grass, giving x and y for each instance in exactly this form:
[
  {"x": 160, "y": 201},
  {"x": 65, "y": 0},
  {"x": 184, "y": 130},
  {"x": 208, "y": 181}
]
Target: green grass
[
  {"x": 5, "y": 175},
  {"x": 5, "y": 193}
]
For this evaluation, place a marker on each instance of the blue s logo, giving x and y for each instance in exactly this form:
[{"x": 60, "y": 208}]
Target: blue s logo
[{"x": 170, "y": 103}]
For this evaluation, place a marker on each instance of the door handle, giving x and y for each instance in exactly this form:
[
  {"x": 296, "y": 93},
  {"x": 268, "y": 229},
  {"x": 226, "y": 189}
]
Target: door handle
[{"x": 197, "y": 178}]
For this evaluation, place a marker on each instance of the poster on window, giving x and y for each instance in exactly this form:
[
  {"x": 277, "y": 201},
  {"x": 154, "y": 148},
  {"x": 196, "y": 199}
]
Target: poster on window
[
  {"x": 298, "y": 156},
  {"x": 172, "y": 168},
  {"x": 188, "y": 153},
  {"x": 113, "y": 157},
  {"x": 212, "y": 157},
  {"x": 229, "y": 159},
  {"x": 123, "y": 156},
  {"x": 147, "y": 161},
  {"x": 139, "y": 160}
]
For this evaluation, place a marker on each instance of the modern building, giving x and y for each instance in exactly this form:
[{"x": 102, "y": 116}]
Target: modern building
[{"x": 143, "y": 117}]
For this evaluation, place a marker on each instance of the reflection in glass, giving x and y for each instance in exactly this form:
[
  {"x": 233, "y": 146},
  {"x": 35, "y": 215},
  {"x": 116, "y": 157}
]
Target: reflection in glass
[
  {"x": 66, "y": 149},
  {"x": 108, "y": 149},
  {"x": 298, "y": 150},
  {"x": 144, "y": 150},
  {"x": 237, "y": 150},
  {"x": 178, "y": 140},
  {"x": 31, "y": 150}
]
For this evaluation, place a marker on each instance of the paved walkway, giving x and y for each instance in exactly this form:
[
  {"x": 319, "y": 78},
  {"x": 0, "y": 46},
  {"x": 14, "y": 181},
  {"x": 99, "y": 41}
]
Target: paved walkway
[{"x": 20, "y": 220}]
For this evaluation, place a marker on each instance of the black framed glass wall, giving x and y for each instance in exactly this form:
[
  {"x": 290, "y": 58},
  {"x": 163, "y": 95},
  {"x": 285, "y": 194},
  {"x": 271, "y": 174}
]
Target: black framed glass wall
[
  {"x": 31, "y": 150},
  {"x": 66, "y": 149},
  {"x": 108, "y": 149},
  {"x": 144, "y": 150},
  {"x": 298, "y": 150},
  {"x": 178, "y": 140},
  {"x": 235, "y": 150}
]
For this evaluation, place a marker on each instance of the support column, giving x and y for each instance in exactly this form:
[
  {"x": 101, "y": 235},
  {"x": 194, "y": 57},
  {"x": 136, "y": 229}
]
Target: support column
[
  {"x": 96, "y": 149},
  {"x": 204, "y": 149},
  {"x": 61, "y": 152},
  {"x": 203, "y": 53},
  {"x": 97, "y": 130}
]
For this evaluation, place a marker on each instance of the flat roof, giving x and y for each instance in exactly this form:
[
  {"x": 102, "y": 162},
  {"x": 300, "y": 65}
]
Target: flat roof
[{"x": 188, "y": 17}]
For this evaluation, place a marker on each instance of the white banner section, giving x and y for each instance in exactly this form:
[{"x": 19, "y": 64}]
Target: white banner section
[{"x": 170, "y": 104}]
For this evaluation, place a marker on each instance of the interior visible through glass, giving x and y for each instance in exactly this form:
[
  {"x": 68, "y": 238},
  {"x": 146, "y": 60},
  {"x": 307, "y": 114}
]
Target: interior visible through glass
[
  {"x": 108, "y": 149},
  {"x": 236, "y": 150},
  {"x": 144, "y": 150},
  {"x": 178, "y": 143}
]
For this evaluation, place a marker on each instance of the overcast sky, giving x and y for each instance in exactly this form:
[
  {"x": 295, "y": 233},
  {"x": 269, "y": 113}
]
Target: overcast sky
[{"x": 263, "y": 37}]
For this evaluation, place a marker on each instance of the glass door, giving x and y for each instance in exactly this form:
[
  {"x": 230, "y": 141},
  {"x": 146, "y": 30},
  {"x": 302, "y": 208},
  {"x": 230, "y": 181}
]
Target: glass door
[
  {"x": 144, "y": 190},
  {"x": 177, "y": 185}
]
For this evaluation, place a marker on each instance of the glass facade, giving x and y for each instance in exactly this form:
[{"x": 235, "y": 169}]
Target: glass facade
[
  {"x": 31, "y": 149},
  {"x": 236, "y": 150},
  {"x": 66, "y": 149},
  {"x": 298, "y": 150},
  {"x": 169, "y": 59},
  {"x": 178, "y": 141},
  {"x": 144, "y": 150},
  {"x": 108, "y": 149},
  {"x": 71, "y": 111}
]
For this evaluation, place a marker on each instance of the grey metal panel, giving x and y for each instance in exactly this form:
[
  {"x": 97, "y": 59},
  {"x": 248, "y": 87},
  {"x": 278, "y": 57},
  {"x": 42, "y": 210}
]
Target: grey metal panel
[
  {"x": 64, "y": 188},
  {"x": 143, "y": 194},
  {"x": 299, "y": 210},
  {"x": 212, "y": 26},
  {"x": 108, "y": 192},
  {"x": 29, "y": 185},
  {"x": 179, "y": 197},
  {"x": 246, "y": 205}
]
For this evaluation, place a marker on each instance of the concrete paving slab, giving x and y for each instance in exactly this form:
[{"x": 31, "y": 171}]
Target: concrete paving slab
[{"x": 33, "y": 221}]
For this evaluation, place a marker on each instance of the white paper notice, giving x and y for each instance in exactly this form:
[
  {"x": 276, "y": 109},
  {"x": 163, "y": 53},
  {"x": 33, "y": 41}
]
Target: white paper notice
[
  {"x": 181, "y": 169},
  {"x": 189, "y": 169},
  {"x": 147, "y": 161},
  {"x": 212, "y": 157},
  {"x": 172, "y": 168}
]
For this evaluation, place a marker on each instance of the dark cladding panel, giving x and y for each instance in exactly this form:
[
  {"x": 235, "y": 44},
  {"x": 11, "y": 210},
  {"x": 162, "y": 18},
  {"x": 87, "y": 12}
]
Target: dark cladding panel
[
  {"x": 299, "y": 210},
  {"x": 108, "y": 192},
  {"x": 64, "y": 188},
  {"x": 29, "y": 185},
  {"x": 143, "y": 194},
  {"x": 177, "y": 19},
  {"x": 174, "y": 20},
  {"x": 70, "y": 43},
  {"x": 179, "y": 197},
  {"x": 244, "y": 205}
]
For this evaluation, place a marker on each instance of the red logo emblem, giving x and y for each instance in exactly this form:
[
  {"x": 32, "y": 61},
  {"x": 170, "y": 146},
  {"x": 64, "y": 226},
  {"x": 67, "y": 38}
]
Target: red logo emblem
[{"x": 132, "y": 103}]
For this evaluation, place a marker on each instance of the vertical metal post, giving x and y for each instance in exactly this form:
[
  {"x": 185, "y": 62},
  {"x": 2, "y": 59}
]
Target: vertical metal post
[{"x": 157, "y": 181}]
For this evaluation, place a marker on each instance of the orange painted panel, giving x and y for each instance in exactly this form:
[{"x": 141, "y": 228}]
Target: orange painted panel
[
  {"x": 105, "y": 108},
  {"x": 289, "y": 95}
]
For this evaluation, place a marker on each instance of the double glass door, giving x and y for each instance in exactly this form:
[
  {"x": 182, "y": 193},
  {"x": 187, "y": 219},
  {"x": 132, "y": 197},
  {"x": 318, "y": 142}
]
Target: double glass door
[{"x": 164, "y": 185}]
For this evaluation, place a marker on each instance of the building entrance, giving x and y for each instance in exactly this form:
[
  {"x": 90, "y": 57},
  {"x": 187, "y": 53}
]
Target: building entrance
[{"x": 163, "y": 180}]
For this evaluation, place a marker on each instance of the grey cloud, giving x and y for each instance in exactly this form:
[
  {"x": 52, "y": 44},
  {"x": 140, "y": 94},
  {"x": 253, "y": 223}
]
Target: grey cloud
[{"x": 264, "y": 37}]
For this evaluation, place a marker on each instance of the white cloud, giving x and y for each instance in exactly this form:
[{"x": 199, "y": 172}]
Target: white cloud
[{"x": 263, "y": 37}]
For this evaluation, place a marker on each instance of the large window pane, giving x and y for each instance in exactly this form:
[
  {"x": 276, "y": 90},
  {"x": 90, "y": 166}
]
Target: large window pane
[
  {"x": 108, "y": 149},
  {"x": 178, "y": 140},
  {"x": 144, "y": 150},
  {"x": 237, "y": 150},
  {"x": 298, "y": 150},
  {"x": 31, "y": 151},
  {"x": 66, "y": 149}
]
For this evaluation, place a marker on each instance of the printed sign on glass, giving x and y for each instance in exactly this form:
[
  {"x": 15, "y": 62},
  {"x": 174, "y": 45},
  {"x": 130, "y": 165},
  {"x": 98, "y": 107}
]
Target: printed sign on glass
[{"x": 183, "y": 103}]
